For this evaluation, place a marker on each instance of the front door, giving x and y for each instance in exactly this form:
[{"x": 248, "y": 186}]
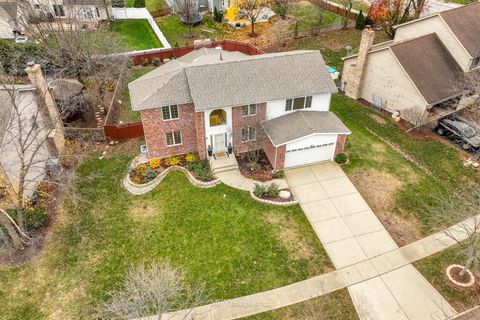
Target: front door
[{"x": 219, "y": 142}]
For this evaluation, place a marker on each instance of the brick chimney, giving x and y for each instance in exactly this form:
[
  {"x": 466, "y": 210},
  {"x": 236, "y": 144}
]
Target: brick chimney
[
  {"x": 354, "y": 79},
  {"x": 37, "y": 79}
]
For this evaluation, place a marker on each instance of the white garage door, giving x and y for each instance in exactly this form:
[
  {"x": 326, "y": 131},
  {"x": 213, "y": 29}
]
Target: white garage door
[{"x": 310, "y": 150}]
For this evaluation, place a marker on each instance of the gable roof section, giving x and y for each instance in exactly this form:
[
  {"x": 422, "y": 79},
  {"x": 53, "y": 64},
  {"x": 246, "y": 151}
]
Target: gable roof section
[
  {"x": 430, "y": 66},
  {"x": 465, "y": 24},
  {"x": 209, "y": 82},
  {"x": 299, "y": 124}
]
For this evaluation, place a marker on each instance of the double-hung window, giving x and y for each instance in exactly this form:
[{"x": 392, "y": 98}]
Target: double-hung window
[
  {"x": 249, "y": 134},
  {"x": 58, "y": 10},
  {"x": 298, "y": 103},
  {"x": 249, "y": 110},
  {"x": 170, "y": 112},
  {"x": 173, "y": 138}
]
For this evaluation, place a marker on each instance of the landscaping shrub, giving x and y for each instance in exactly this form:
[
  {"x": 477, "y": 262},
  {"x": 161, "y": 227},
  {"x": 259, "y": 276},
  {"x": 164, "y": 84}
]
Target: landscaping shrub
[
  {"x": 202, "y": 170},
  {"x": 272, "y": 190},
  {"x": 34, "y": 217},
  {"x": 145, "y": 62},
  {"x": 191, "y": 157},
  {"x": 71, "y": 154},
  {"x": 280, "y": 174},
  {"x": 156, "y": 61},
  {"x": 173, "y": 161},
  {"x": 259, "y": 190},
  {"x": 341, "y": 158},
  {"x": 360, "y": 22},
  {"x": 155, "y": 163},
  {"x": 149, "y": 175},
  {"x": 139, "y": 3}
]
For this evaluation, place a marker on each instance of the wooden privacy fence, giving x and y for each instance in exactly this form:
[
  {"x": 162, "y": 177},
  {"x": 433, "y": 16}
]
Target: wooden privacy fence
[
  {"x": 336, "y": 8},
  {"x": 139, "y": 56},
  {"x": 124, "y": 131}
]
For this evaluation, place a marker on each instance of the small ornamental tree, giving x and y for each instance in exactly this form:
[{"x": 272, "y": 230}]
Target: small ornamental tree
[{"x": 360, "y": 22}]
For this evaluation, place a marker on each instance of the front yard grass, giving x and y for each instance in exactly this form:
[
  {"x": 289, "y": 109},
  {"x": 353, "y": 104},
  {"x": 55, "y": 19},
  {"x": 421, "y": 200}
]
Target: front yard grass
[
  {"x": 433, "y": 269},
  {"x": 136, "y": 34},
  {"x": 151, "y": 5},
  {"x": 221, "y": 236},
  {"x": 333, "y": 306},
  {"x": 399, "y": 174}
]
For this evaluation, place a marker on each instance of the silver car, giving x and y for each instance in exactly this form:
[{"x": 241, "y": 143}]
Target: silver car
[{"x": 470, "y": 138}]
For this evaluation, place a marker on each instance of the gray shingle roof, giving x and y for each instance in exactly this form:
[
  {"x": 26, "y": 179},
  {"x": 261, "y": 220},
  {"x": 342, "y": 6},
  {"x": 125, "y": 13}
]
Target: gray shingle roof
[
  {"x": 202, "y": 78},
  {"x": 300, "y": 124}
]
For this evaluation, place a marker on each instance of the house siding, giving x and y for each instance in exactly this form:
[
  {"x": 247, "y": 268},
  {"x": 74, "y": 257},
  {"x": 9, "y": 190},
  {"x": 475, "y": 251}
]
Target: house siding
[
  {"x": 238, "y": 122},
  {"x": 155, "y": 129}
]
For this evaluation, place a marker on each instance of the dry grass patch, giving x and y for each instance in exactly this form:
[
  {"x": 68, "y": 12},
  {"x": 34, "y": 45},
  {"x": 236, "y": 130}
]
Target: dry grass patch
[
  {"x": 379, "y": 190},
  {"x": 144, "y": 209},
  {"x": 378, "y": 119},
  {"x": 289, "y": 234}
]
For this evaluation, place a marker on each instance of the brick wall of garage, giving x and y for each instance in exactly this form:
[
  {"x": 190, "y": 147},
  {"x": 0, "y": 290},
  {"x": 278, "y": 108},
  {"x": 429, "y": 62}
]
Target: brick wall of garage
[
  {"x": 155, "y": 129},
  {"x": 341, "y": 139},
  {"x": 269, "y": 149},
  {"x": 238, "y": 122}
]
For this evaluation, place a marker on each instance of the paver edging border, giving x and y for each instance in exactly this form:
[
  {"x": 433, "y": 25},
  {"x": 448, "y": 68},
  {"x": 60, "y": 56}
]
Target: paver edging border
[
  {"x": 138, "y": 189},
  {"x": 276, "y": 203}
]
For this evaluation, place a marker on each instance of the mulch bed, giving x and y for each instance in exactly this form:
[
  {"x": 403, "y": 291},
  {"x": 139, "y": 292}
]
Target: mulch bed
[
  {"x": 455, "y": 274},
  {"x": 278, "y": 199},
  {"x": 263, "y": 171}
]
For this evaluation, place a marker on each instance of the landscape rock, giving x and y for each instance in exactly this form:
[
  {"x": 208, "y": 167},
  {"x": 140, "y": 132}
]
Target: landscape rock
[{"x": 284, "y": 194}]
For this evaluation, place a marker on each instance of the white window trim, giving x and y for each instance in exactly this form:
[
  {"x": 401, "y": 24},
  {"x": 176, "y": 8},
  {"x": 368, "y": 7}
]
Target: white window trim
[
  {"x": 170, "y": 112},
  {"x": 250, "y": 114},
  {"x": 173, "y": 136},
  {"x": 248, "y": 134},
  {"x": 293, "y": 101}
]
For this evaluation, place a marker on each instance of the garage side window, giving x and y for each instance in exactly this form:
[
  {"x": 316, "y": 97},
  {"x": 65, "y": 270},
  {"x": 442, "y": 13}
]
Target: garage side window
[{"x": 298, "y": 103}]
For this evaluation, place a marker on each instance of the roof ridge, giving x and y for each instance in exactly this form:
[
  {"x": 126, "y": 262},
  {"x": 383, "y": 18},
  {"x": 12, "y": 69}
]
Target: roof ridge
[{"x": 257, "y": 57}]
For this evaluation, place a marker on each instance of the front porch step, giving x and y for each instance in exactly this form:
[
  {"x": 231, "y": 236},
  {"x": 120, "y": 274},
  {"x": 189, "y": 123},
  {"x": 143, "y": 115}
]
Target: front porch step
[{"x": 224, "y": 169}]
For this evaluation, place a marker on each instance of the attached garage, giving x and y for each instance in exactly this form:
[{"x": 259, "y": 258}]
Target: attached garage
[
  {"x": 316, "y": 148},
  {"x": 303, "y": 137}
]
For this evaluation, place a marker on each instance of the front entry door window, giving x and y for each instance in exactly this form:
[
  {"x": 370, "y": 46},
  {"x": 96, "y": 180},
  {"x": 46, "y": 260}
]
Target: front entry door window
[{"x": 219, "y": 142}]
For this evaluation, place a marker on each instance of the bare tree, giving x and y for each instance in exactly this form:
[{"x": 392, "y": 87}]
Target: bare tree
[
  {"x": 463, "y": 206},
  {"x": 32, "y": 130},
  {"x": 347, "y": 5},
  {"x": 189, "y": 12},
  {"x": 252, "y": 10},
  {"x": 153, "y": 290}
]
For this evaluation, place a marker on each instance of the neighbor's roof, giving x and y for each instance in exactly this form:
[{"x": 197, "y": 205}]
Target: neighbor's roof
[
  {"x": 6, "y": 104},
  {"x": 84, "y": 2},
  {"x": 302, "y": 123},
  {"x": 431, "y": 67},
  {"x": 202, "y": 78},
  {"x": 465, "y": 24}
]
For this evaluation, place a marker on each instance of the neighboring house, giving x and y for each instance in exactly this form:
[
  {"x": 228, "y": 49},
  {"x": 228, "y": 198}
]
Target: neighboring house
[
  {"x": 8, "y": 19},
  {"x": 210, "y": 99},
  {"x": 82, "y": 10},
  {"x": 27, "y": 116},
  {"x": 430, "y": 69}
]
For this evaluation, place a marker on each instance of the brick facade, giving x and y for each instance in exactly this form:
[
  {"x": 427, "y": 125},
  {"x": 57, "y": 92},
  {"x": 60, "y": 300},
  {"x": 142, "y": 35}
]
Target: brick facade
[
  {"x": 155, "y": 129},
  {"x": 277, "y": 160},
  {"x": 200, "y": 129},
  {"x": 341, "y": 138},
  {"x": 249, "y": 121}
]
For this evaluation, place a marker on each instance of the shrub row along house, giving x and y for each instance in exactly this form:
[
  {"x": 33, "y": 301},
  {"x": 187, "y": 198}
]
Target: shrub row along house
[
  {"x": 212, "y": 100},
  {"x": 430, "y": 69}
]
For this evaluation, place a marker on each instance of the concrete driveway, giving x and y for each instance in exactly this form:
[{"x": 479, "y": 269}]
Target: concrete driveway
[{"x": 352, "y": 235}]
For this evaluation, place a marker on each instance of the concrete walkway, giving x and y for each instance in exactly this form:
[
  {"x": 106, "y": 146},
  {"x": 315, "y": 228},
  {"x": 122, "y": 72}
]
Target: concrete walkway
[
  {"x": 382, "y": 286},
  {"x": 396, "y": 262},
  {"x": 226, "y": 169}
]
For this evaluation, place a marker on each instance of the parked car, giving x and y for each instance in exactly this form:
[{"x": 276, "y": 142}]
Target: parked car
[
  {"x": 21, "y": 39},
  {"x": 470, "y": 138}
]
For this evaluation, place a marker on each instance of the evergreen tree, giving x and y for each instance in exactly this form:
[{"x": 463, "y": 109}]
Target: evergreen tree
[{"x": 360, "y": 23}]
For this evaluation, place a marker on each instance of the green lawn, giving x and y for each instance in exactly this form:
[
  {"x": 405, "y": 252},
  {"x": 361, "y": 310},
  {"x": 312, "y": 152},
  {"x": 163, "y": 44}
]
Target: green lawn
[
  {"x": 152, "y": 5},
  {"x": 220, "y": 235},
  {"x": 136, "y": 34},
  {"x": 311, "y": 16},
  {"x": 433, "y": 269},
  {"x": 125, "y": 112},
  {"x": 332, "y": 44},
  {"x": 177, "y": 33},
  {"x": 398, "y": 182},
  {"x": 333, "y": 306}
]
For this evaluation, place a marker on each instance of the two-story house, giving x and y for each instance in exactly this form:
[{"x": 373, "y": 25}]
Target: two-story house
[
  {"x": 430, "y": 69},
  {"x": 211, "y": 99},
  {"x": 81, "y": 10}
]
